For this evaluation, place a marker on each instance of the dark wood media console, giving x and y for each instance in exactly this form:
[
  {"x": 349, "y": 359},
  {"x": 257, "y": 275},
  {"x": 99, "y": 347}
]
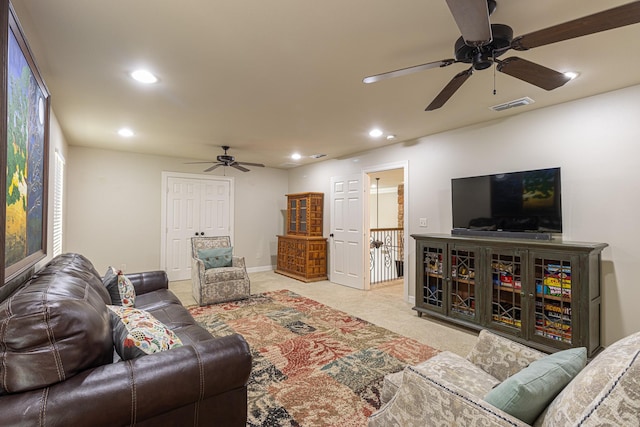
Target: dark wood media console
[{"x": 545, "y": 294}]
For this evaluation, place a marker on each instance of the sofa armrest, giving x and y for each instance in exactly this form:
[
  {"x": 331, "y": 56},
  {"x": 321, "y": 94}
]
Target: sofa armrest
[
  {"x": 424, "y": 401},
  {"x": 149, "y": 281},
  {"x": 500, "y": 356},
  {"x": 132, "y": 391}
]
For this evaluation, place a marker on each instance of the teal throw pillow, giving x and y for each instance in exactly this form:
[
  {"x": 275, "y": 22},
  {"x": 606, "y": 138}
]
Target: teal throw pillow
[
  {"x": 527, "y": 393},
  {"x": 216, "y": 257}
]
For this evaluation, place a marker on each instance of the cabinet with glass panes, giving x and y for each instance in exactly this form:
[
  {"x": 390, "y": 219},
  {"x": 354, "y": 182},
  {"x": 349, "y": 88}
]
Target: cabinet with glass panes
[
  {"x": 545, "y": 294},
  {"x": 447, "y": 277},
  {"x": 302, "y": 252}
]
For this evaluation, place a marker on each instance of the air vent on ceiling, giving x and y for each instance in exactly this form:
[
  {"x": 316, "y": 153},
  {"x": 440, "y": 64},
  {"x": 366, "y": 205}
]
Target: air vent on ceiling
[
  {"x": 511, "y": 104},
  {"x": 317, "y": 156}
]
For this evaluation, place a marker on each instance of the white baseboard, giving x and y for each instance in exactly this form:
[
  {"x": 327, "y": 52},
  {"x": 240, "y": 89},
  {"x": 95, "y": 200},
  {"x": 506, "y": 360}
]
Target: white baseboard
[{"x": 261, "y": 268}]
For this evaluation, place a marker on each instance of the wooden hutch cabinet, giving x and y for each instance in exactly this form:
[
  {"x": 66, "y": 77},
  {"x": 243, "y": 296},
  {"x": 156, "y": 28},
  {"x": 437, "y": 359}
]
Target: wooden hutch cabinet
[
  {"x": 302, "y": 253},
  {"x": 545, "y": 294}
]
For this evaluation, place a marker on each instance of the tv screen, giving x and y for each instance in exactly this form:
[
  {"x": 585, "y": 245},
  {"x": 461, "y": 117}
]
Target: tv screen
[{"x": 518, "y": 201}]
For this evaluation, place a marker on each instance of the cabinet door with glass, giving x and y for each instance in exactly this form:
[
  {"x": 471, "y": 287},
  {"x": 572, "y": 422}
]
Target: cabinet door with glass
[
  {"x": 292, "y": 215},
  {"x": 555, "y": 313},
  {"x": 507, "y": 301},
  {"x": 304, "y": 214},
  {"x": 463, "y": 294},
  {"x": 431, "y": 276}
]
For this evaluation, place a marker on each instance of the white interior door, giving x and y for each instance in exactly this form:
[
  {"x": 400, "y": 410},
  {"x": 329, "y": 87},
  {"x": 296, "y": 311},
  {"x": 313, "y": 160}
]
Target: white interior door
[
  {"x": 215, "y": 210},
  {"x": 346, "y": 239},
  {"x": 183, "y": 221},
  {"x": 194, "y": 207}
]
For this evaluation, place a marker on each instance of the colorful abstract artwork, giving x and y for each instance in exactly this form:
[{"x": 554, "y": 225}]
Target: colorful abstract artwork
[{"x": 27, "y": 115}]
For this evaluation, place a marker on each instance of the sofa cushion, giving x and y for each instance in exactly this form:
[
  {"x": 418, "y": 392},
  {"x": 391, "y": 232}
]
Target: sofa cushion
[
  {"x": 120, "y": 288},
  {"x": 224, "y": 274},
  {"x": 526, "y": 394},
  {"x": 54, "y": 326},
  {"x": 501, "y": 357},
  {"x": 136, "y": 333},
  {"x": 605, "y": 392},
  {"x": 216, "y": 257}
]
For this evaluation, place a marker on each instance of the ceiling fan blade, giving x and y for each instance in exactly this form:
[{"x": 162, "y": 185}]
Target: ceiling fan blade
[
  {"x": 409, "y": 70},
  {"x": 217, "y": 165},
  {"x": 449, "y": 89},
  {"x": 258, "y": 165},
  {"x": 197, "y": 163},
  {"x": 237, "y": 166},
  {"x": 620, "y": 16},
  {"x": 533, "y": 73},
  {"x": 472, "y": 18}
]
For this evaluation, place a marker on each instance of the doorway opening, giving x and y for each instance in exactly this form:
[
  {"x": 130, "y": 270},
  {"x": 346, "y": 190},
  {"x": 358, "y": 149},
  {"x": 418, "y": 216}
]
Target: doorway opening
[{"x": 386, "y": 227}]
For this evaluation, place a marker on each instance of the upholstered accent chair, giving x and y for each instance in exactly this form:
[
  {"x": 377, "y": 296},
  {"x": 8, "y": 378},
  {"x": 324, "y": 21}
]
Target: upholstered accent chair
[
  {"x": 217, "y": 276},
  {"x": 452, "y": 390}
]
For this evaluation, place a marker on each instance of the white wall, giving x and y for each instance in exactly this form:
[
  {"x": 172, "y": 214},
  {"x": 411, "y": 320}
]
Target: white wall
[
  {"x": 114, "y": 208},
  {"x": 595, "y": 141},
  {"x": 383, "y": 213}
]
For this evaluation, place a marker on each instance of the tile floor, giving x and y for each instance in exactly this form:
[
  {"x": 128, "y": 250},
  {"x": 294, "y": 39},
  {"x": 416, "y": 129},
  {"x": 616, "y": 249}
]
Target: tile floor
[{"x": 383, "y": 306}]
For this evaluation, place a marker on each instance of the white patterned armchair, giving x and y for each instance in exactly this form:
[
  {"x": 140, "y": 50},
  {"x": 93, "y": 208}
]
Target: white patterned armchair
[
  {"x": 449, "y": 390},
  {"x": 225, "y": 280}
]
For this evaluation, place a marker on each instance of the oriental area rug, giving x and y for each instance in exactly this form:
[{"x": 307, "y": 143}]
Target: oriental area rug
[{"x": 312, "y": 365}]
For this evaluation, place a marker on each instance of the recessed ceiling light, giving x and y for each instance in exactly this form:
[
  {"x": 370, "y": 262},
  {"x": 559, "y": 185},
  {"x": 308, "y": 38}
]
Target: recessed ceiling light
[
  {"x": 390, "y": 137},
  {"x": 125, "y": 133},
  {"x": 375, "y": 133},
  {"x": 296, "y": 156},
  {"x": 571, "y": 74},
  {"x": 144, "y": 76}
]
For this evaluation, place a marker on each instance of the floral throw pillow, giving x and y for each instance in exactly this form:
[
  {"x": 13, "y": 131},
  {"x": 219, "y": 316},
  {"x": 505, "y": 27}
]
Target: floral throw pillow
[
  {"x": 119, "y": 287},
  {"x": 136, "y": 333}
]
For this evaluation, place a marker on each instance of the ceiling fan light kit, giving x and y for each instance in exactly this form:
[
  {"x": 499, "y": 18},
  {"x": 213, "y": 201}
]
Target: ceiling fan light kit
[{"x": 482, "y": 43}]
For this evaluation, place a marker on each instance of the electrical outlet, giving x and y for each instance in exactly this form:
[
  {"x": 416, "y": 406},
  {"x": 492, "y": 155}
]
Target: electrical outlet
[{"x": 423, "y": 222}]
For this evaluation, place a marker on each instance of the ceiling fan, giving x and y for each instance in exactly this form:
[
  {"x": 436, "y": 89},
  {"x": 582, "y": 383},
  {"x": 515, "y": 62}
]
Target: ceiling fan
[
  {"x": 227, "y": 160},
  {"x": 482, "y": 43}
]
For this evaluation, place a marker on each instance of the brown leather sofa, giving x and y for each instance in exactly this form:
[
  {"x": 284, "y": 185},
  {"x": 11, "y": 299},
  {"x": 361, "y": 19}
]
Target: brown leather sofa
[{"x": 57, "y": 358}]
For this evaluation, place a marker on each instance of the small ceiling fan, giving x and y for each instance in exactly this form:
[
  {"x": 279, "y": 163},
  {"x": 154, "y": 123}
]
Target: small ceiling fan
[
  {"x": 227, "y": 160},
  {"x": 482, "y": 43}
]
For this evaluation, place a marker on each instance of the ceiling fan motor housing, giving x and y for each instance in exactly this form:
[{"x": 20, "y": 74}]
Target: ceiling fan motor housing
[{"x": 482, "y": 56}]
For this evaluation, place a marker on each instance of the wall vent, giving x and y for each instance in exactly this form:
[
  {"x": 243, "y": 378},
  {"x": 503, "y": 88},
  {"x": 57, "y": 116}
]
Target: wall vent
[{"x": 511, "y": 104}]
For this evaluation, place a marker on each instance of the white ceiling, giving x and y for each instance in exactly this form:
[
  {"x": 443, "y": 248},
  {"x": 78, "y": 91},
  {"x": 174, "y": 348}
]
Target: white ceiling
[{"x": 272, "y": 77}]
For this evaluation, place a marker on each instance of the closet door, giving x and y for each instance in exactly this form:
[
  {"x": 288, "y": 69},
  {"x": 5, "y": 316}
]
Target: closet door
[{"x": 194, "y": 207}]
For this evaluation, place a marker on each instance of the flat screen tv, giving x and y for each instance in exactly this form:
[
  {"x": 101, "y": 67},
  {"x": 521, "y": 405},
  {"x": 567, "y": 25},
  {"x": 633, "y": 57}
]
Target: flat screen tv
[{"x": 527, "y": 201}]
